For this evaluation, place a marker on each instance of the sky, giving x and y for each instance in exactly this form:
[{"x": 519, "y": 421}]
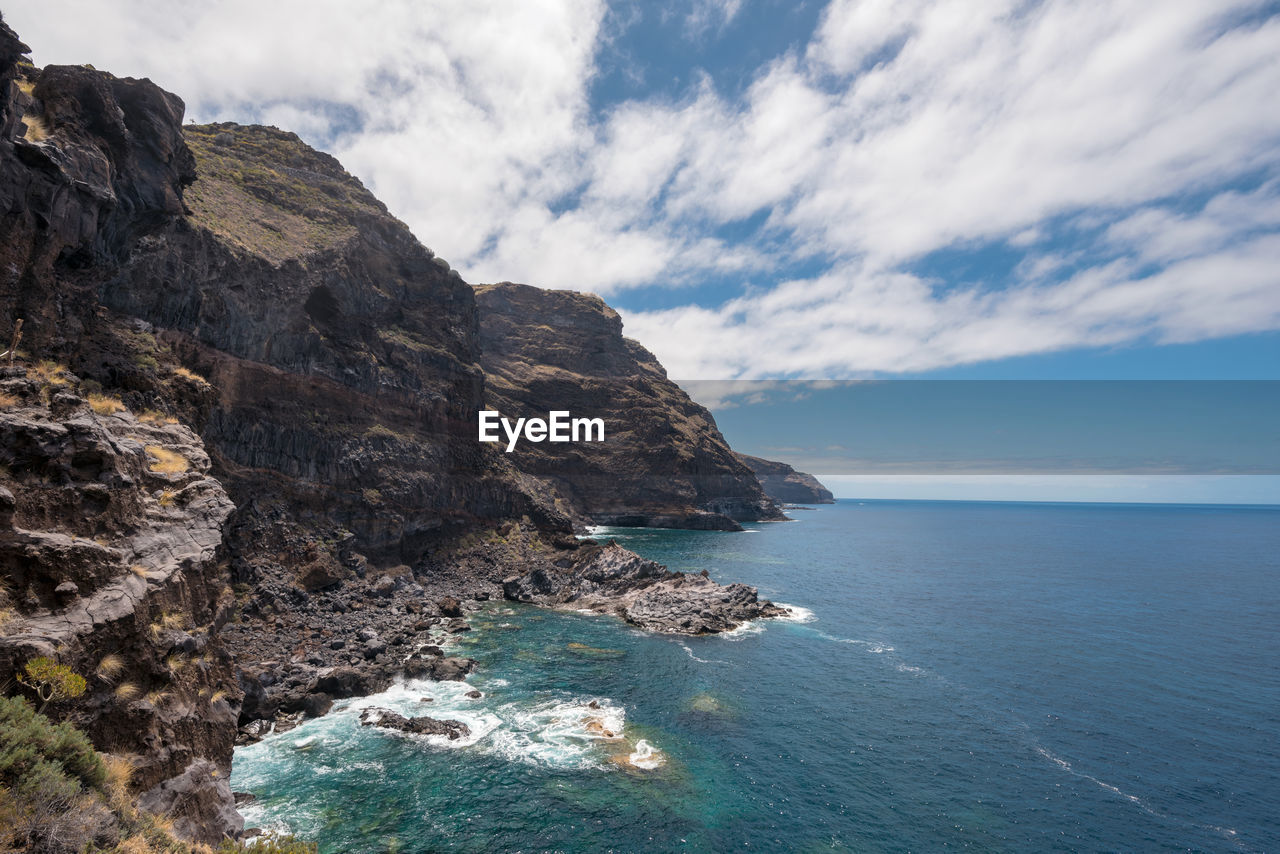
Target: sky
[{"x": 832, "y": 190}]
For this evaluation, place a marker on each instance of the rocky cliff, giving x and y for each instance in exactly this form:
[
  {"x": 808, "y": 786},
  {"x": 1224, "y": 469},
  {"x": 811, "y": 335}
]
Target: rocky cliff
[
  {"x": 110, "y": 527},
  {"x": 239, "y": 475},
  {"x": 663, "y": 462},
  {"x": 786, "y": 485},
  {"x": 274, "y": 327}
]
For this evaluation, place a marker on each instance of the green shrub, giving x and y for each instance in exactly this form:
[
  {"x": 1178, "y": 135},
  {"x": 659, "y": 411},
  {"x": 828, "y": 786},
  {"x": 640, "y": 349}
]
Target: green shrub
[
  {"x": 29, "y": 740},
  {"x": 52, "y": 681},
  {"x": 48, "y": 774},
  {"x": 60, "y": 796}
]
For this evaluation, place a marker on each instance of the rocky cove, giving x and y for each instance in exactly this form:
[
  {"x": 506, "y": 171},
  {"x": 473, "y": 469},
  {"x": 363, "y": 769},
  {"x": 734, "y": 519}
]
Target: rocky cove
[{"x": 239, "y": 479}]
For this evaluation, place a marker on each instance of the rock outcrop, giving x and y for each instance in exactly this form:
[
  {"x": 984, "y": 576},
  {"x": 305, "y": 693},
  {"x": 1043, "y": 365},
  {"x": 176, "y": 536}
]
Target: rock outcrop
[
  {"x": 786, "y": 485},
  {"x": 663, "y": 463},
  {"x": 110, "y": 527},
  {"x": 610, "y": 579},
  {"x": 423, "y": 725}
]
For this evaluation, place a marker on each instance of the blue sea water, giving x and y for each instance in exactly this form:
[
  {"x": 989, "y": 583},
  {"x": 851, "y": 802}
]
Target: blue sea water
[{"x": 998, "y": 677}]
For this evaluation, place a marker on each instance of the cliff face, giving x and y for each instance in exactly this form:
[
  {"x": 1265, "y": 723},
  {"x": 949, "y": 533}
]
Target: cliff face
[
  {"x": 107, "y": 551},
  {"x": 343, "y": 352},
  {"x": 109, "y": 531},
  {"x": 663, "y": 463},
  {"x": 786, "y": 485}
]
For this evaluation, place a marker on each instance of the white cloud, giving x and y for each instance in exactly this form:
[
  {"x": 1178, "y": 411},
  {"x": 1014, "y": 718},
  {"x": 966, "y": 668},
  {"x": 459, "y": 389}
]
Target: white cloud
[
  {"x": 856, "y": 320},
  {"x": 710, "y": 14},
  {"x": 902, "y": 128}
]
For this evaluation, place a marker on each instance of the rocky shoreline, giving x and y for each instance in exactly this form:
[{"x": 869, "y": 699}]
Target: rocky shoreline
[
  {"x": 356, "y": 638},
  {"x": 612, "y": 580}
]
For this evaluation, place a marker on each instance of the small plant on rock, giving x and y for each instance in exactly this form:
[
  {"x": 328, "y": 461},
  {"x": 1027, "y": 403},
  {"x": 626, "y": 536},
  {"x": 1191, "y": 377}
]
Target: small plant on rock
[
  {"x": 105, "y": 404},
  {"x": 52, "y": 681},
  {"x": 109, "y": 667},
  {"x": 167, "y": 461}
]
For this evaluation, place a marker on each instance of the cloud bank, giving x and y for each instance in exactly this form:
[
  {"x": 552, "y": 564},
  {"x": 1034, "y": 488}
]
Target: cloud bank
[{"x": 1120, "y": 161}]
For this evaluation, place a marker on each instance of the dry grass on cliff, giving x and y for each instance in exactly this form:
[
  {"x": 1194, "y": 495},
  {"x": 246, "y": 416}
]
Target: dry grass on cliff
[
  {"x": 6, "y": 613},
  {"x": 48, "y": 372},
  {"x": 105, "y": 404},
  {"x": 153, "y": 416},
  {"x": 267, "y": 193},
  {"x": 109, "y": 667},
  {"x": 119, "y": 774},
  {"x": 190, "y": 375},
  {"x": 8, "y": 401},
  {"x": 167, "y": 461},
  {"x": 37, "y": 130}
]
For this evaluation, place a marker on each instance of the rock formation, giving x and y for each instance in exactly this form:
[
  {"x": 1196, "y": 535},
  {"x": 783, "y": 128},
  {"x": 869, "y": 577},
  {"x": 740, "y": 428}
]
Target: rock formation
[
  {"x": 663, "y": 462},
  {"x": 786, "y": 485},
  {"x": 109, "y": 530},
  {"x": 239, "y": 475},
  {"x": 612, "y": 580},
  {"x": 422, "y": 725}
]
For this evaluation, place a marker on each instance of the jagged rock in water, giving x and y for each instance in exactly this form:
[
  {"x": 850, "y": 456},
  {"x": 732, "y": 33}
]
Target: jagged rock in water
[
  {"x": 439, "y": 668},
  {"x": 613, "y": 580},
  {"x": 663, "y": 462},
  {"x": 786, "y": 485},
  {"x": 422, "y": 725}
]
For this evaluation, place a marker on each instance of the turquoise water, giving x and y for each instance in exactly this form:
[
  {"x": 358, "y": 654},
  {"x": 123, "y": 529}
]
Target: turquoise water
[{"x": 1003, "y": 677}]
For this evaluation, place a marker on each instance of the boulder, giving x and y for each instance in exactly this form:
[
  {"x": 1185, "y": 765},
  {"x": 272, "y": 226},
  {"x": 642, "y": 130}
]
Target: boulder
[{"x": 422, "y": 725}]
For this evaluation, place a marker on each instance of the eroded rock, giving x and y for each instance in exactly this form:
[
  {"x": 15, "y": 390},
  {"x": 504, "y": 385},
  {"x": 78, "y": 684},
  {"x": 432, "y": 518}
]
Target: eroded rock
[{"x": 421, "y": 725}]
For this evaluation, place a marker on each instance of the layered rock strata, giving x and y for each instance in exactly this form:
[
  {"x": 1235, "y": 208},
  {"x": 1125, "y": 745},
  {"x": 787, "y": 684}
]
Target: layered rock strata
[{"x": 663, "y": 463}]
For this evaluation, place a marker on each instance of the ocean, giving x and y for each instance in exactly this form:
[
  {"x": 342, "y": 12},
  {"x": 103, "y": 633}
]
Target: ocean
[{"x": 998, "y": 677}]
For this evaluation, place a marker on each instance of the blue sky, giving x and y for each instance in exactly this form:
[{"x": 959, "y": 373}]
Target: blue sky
[{"x": 1025, "y": 189}]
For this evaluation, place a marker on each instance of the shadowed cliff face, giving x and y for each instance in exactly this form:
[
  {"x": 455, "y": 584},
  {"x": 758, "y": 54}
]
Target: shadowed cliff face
[
  {"x": 786, "y": 485},
  {"x": 663, "y": 462},
  {"x": 343, "y": 352}
]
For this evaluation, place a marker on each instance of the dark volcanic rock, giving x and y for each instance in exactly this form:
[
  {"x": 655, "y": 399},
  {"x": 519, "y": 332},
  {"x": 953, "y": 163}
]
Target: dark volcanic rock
[
  {"x": 613, "y": 580},
  {"x": 438, "y": 668},
  {"x": 199, "y": 792},
  {"x": 106, "y": 560},
  {"x": 786, "y": 485},
  {"x": 316, "y": 705},
  {"x": 343, "y": 682},
  {"x": 663, "y": 462},
  {"x": 388, "y": 719}
]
